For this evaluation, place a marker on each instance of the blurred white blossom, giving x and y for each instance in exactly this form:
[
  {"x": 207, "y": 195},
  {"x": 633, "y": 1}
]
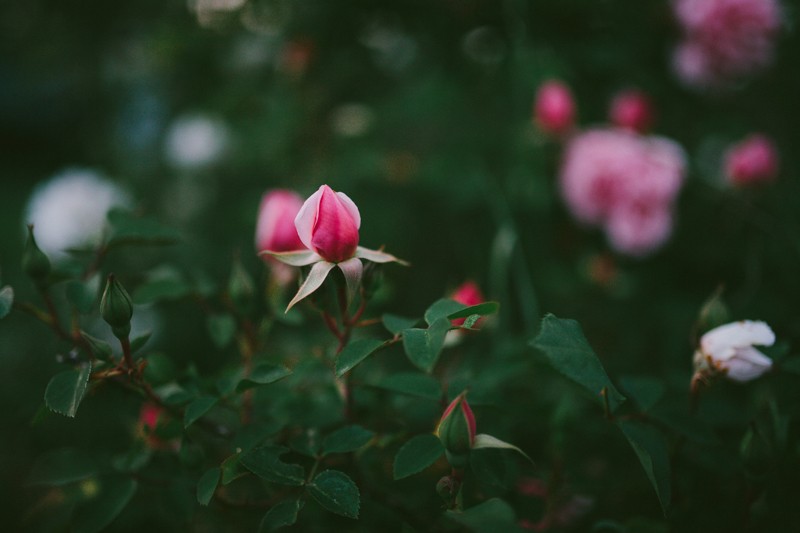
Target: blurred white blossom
[
  {"x": 729, "y": 349},
  {"x": 196, "y": 141}
]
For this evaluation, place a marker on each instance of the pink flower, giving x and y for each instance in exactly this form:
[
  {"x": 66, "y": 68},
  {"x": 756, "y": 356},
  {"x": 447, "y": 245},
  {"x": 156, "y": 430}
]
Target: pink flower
[
  {"x": 275, "y": 229},
  {"x": 753, "y": 160},
  {"x": 724, "y": 39},
  {"x": 632, "y": 110},
  {"x": 554, "y": 108},
  {"x": 624, "y": 183},
  {"x": 328, "y": 224},
  {"x": 468, "y": 293}
]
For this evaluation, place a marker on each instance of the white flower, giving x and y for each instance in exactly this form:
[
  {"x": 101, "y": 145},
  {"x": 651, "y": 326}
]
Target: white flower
[
  {"x": 196, "y": 141},
  {"x": 69, "y": 210},
  {"x": 729, "y": 349}
]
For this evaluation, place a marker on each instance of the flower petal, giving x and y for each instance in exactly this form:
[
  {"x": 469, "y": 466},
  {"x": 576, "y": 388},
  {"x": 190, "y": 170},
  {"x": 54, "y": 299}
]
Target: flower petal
[
  {"x": 335, "y": 232},
  {"x": 312, "y": 282},
  {"x": 376, "y": 256},
  {"x": 747, "y": 364},
  {"x": 736, "y": 335},
  {"x": 352, "y": 270},
  {"x": 298, "y": 258},
  {"x": 351, "y": 207},
  {"x": 306, "y": 218}
]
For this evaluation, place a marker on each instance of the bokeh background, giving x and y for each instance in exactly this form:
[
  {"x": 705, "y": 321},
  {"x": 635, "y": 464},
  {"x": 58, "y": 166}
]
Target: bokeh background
[{"x": 421, "y": 113}]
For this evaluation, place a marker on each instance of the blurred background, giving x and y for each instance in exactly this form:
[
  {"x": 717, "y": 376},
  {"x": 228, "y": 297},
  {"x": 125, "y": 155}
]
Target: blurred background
[{"x": 422, "y": 113}]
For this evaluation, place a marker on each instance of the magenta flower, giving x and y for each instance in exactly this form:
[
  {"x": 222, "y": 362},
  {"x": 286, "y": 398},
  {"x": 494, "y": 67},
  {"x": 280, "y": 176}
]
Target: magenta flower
[
  {"x": 327, "y": 224},
  {"x": 468, "y": 293},
  {"x": 754, "y": 160},
  {"x": 724, "y": 39},
  {"x": 275, "y": 230},
  {"x": 632, "y": 110},
  {"x": 554, "y": 108}
]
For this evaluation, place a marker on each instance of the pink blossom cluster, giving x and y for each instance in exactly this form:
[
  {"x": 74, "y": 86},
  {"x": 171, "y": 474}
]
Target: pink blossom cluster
[
  {"x": 625, "y": 183},
  {"x": 724, "y": 39}
]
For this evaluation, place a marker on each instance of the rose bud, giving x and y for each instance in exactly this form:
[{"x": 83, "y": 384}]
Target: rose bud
[
  {"x": 328, "y": 224},
  {"x": 116, "y": 307},
  {"x": 34, "y": 262},
  {"x": 275, "y": 229},
  {"x": 468, "y": 293},
  {"x": 754, "y": 160},
  {"x": 456, "y": 430},
  {"x": 554, "y": 108},
  {"x": 728, "y": 350},
  {"x": 632, "y": 110}
]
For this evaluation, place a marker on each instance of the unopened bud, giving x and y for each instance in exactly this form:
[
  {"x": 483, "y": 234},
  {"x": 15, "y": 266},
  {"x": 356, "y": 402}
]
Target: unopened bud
[
  {"x": 116, "y": 307},
  {"x": 34, "y": 262},
  {"x": 456, "y": 430}
]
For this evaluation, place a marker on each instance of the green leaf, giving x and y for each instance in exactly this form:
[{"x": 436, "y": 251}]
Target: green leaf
[
  {"x": 354, "y": 353},
  {"x": 196, "y": 409},
  {"x": 417, "y": 454},
  {"x": 231, "y": 468},
  {"x": 568, "y": 351},
  {"x": 265, "y": 462},
  {"x": 488, "y": 517},
  {"x": 66, "y": 389},
  {"x": 6, "y": 300},
  {"x": 263, "y": 374},
  {"x": 423, "y": 346},
  {"x": 221, "y": 329},
  {"x": 83, "y": 294},
  {"x": 160, "y": 290},
  {"x": 346, "y": 439},
  {"x": 336, "y": 492},
  {"x": 396, "y": 324},
  {"x": 413, "y": 384},
  {"x": 130, "y": 230},
  {"x": 450, "y": 309},
  {"x": 484, "y": 309},
  {"x": 644, "y": 391},
  {"x": 483, "y": 440},
  {"x": 160, "y": 369},
  {"x": 100, "y": 348},
  {"x": 207, "y": 486},
  {"x": 140, "y": 340},
  {"x": 98, "y": 512},
  {"x": 280, "y": 515},
  {"x": 650, "y": 447},
  {"x": 61, "y": 467}
]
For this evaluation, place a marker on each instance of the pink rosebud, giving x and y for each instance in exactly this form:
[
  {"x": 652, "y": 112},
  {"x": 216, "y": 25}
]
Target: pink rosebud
[
  {"x": 150, "y": 415},
  {"x": 275, "y": 230},
  {"x": 457, "y": 428},
  {"x": 554, "y": 108},
  {"x": 328, "y": 224},
  {"x": 632, "y": 110},
  {"x": 754, "y": 160},
  {"x": 467, "y": 294}
]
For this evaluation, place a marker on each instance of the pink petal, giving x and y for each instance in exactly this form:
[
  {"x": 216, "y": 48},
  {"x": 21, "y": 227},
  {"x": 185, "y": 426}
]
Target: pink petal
[{"x": 306, "y": 218}]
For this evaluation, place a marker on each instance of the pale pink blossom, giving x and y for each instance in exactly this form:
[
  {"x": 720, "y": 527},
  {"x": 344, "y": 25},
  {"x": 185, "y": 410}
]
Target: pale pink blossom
[
  {"x": 724, "y": 39},
  {"x": 275, "y": 229},
  {"x": 753, "y": 160},
  {"x": 632, "y": 110},
  {"x": 554, "y": 108},
  {"x": 625, "y": 183},
  {"x": 729, "y": 350}
]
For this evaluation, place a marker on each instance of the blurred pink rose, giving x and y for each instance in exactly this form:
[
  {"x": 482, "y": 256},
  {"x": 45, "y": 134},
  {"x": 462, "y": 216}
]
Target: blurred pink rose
[
  {"x": 468, "y": 293},
  {"x": 625, "y": 183},
  {"x": 275, "y": 230},
  {"x": 328, "y": 224},
  {"x": 724, "y": 39},
  {"x": 632, "y": 110},
  {"x": 554, "y": 108},
  {"x": 753, "y": 160}
]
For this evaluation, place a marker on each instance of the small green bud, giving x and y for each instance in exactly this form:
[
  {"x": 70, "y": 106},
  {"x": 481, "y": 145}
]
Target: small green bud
[
  {"x": 34, "y": 262},
  {"x": 456, "y": 430},
  {"x": 116, "y": 307}
]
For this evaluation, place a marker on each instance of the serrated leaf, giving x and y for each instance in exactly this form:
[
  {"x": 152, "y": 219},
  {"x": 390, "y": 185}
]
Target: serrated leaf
[
  {"x": 336, "y": 492},
  {"x": 488, "y": 517},
  {"x": 83, "y": 294},
  {"x": 265, "y": 462},
  {"x": 651, "y": 449},
  {"x": 280, "y": 515},
  {"x": 61, "y": 467},
  {"x": 481, "y": 310},
  {"x": 198, "y": 408},
  {"x": 6, "y": 300},
  {"x": 569, "y": 352},
  {"x": 98, "y": 512},
  {"x": 100, "y": 348},
  {"x": 221, "y": 329},
  {"x": 140, "y": 340},
  {"x": 416, "y": 455},
  {"x": 346, "y": 439},
  {"x": 66, "y": 389},
  {"x": 207, "y": 486},
  {"x": 483, "y": 440},
  {"x": 263, "y": 374},
  {"x": 231, "y": 468},
  {"x": 396, "y": 324},
  {"x": 423, "y": 346},
  {"x": 450, "y": 309},
  {"x": 413, "y": 384},
  {"x": 354, "y": 353}
]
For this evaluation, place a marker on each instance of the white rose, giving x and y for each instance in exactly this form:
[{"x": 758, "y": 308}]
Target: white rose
[{"x": 729, "y": 349}]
